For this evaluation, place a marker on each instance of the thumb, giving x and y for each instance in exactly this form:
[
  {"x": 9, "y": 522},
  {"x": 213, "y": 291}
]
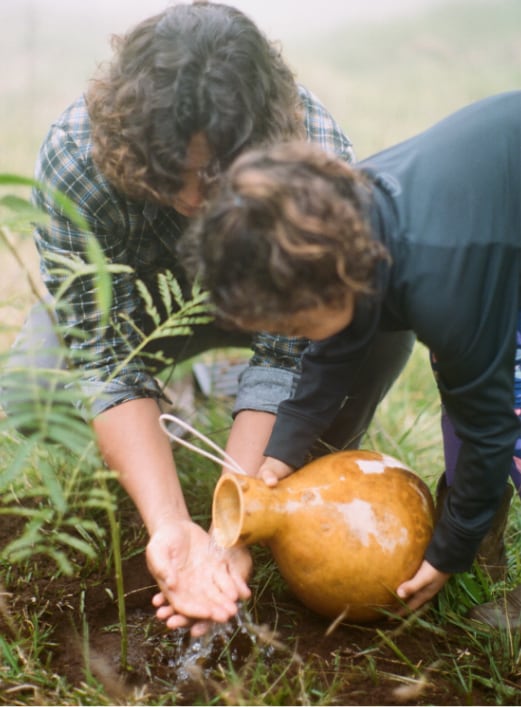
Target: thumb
[
  {"x": 268, "y": 475},
  {"x": 407, "y": 589},
  {"x": 272, "y": 470}
]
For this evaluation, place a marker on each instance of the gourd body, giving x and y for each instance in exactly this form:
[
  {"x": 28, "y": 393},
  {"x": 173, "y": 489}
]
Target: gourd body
[{"x": 345, "y": 530}]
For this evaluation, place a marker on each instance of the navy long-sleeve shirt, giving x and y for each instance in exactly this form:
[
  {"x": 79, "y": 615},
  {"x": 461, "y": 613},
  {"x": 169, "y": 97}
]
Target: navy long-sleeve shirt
[{"x": 446, "y": 203}]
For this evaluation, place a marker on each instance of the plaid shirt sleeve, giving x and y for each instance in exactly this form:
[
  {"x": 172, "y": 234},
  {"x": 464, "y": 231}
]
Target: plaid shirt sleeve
[
  {"x": 100, "y": 350},
  {"x": 274, "y": 367}
]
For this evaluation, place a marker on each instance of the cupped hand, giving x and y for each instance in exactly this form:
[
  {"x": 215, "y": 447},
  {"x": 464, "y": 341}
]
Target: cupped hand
[
  {"x": 199, "y": 582},
  {"x": 273, "y": 470},
  {"x": 425, "y": 584}
]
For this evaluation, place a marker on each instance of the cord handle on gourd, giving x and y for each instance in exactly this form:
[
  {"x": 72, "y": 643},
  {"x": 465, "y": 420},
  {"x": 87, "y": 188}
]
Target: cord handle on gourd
[{"x": 224, "y": 459}]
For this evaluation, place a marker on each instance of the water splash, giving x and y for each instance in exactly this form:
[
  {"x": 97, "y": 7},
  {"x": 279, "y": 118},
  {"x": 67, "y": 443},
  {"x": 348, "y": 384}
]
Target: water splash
[{"x": 235, "y": 640}]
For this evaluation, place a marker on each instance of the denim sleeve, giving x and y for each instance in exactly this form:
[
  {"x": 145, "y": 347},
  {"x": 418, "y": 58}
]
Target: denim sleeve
[
  {"x": 105, "y": 395},
  {"x": 262, "y": 388}
]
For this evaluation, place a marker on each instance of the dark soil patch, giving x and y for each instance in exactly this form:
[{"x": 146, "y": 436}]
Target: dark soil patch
[{"x": 379, "y": 664}]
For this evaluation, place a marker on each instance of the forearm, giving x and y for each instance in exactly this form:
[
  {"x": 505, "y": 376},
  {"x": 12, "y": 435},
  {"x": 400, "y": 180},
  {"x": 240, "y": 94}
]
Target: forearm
[
  {"x": 248, "y": 438},
  {"x": 133, "y": 444}
]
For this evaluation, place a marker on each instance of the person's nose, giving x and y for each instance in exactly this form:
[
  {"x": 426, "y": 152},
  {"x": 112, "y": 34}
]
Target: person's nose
[{"x": 193, "y": 191}]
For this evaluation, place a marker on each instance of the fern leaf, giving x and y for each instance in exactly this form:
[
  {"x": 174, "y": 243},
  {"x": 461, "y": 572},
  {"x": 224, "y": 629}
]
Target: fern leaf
[
  {"x": 149, "y": 302},
  {"x": 165, "y": 292},
  {"x": 54, "y": 489}
]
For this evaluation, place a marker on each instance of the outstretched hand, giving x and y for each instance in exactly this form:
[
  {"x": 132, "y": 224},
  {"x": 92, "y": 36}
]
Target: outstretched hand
[
  {"x": 199, "y": 582},
  {"x": 273, "y": 470},
  {"x": 425, "y": 584}
]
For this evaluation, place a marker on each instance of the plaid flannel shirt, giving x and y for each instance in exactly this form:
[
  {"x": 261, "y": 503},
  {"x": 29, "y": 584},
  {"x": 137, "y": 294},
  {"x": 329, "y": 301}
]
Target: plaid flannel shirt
[{"x": 143, "y": 236}]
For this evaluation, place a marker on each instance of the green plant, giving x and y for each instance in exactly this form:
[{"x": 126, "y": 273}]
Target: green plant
[{"x": 48, "y": 482}]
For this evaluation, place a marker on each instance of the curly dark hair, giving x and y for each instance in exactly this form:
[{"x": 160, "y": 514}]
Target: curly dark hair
[
  {"x": 202, "y": 67},
  {"x": 287, "y": 230}
]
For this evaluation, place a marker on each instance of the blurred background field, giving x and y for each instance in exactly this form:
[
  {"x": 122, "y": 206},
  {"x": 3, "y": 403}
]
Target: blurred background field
[{"x": 385, "y": 68}]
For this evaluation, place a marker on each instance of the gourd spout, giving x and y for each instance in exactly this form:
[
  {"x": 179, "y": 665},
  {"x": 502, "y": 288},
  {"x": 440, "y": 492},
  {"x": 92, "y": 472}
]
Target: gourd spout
[{"x": 241, "y": 511}]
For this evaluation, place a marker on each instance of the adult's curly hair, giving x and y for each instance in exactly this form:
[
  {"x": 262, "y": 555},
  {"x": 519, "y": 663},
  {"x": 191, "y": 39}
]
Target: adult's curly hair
[
  {"x": 202, "y": 67},
  {"x": 287, "y": 230}
]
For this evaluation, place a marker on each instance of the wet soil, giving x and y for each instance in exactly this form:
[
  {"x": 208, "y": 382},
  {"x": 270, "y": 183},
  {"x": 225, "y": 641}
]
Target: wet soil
[{"x": 353, "y": 665}]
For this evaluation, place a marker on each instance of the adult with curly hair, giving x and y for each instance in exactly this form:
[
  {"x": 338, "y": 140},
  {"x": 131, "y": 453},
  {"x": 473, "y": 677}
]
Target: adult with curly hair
[
  {"x": 185, "y": 93},
  {"x": 423, "y": 237}
]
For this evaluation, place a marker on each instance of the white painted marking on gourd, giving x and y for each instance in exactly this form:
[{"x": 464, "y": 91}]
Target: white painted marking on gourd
[
  {"x": 363, "y": 523},
  {"x": 371, "y": 466},
  {"x": 391, "y": 461}
]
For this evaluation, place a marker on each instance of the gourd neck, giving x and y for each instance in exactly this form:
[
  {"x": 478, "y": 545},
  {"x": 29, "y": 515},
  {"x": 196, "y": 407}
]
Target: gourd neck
[{"x": 242, "y": 511}]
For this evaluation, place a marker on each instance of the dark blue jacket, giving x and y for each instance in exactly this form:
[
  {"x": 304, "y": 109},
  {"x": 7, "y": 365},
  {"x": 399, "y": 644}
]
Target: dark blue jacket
[{"x": 446, "y": 203}]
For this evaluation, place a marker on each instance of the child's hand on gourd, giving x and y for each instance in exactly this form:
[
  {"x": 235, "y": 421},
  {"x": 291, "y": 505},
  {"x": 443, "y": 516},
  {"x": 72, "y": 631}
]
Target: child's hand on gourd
[{"x": 273, "y": 470}]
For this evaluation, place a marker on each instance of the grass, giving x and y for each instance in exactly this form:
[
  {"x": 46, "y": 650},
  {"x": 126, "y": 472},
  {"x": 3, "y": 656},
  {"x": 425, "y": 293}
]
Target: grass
[{"x": 382, "y": 82}]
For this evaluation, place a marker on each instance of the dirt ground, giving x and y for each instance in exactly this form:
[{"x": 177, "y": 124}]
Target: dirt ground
[{"x": 81, "y": 617}]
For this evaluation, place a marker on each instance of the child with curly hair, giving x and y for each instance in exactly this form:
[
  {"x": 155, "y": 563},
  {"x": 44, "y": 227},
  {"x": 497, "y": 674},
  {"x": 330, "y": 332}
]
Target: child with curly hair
[{"x": 422, "y": 238}]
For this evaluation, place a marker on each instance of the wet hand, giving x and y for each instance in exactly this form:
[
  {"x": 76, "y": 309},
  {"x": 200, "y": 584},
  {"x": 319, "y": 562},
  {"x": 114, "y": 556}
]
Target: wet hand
[
  {"x": 425, "y": 584},
  {"x": 273, "y": 470},
  {"x": 199, "y": 582}
]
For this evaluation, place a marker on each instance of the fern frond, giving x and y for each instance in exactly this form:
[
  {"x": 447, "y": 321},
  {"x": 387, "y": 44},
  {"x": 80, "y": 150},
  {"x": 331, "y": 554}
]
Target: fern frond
[
  {"x": 176, "y": 290},
  {"x": 147, "y": 298},
  {"x": 163, "y": 285}
]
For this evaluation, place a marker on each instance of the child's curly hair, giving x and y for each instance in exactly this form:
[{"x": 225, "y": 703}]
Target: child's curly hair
[
  {"x": 287, "y": 230},
  {"x": 202, "y": 67}
]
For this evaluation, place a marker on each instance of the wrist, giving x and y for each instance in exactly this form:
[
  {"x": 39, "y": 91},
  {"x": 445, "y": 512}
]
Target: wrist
[{"x": 167, "y": 518}]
